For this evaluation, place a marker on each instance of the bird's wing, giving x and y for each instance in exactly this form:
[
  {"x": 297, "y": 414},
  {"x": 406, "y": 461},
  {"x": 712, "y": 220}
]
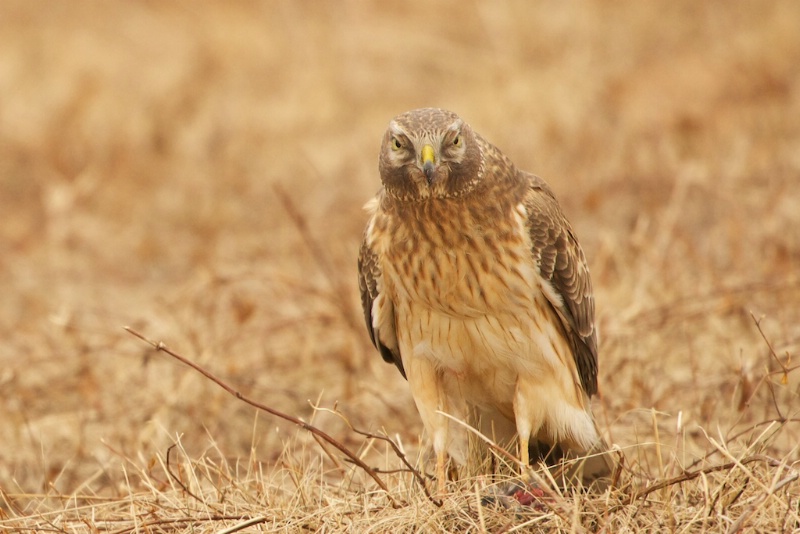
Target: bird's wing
[
  {"x": 380, "y": 318},
  {"x": 561, "y": 262}
]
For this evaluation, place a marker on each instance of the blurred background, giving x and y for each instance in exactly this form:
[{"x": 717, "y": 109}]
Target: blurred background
[{"x": 196, "y": 171}]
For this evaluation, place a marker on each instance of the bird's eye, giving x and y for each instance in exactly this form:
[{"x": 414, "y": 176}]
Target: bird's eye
[
  {"x": 396, "y": 144},
  {"x": 457, "y": 141}
]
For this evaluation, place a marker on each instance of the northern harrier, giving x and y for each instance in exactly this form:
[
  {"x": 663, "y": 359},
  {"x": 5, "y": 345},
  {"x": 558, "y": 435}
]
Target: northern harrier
[{"x": 473, "y": 284}]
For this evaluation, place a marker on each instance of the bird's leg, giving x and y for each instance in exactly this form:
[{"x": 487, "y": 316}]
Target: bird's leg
[
  {"x": 524, "y": 456},
  {"x": 425, "y": 380},
  {"x": 439, "y": 443},
  {"x": 441, "y": 478},
  {"x": 528, "y": 417}
]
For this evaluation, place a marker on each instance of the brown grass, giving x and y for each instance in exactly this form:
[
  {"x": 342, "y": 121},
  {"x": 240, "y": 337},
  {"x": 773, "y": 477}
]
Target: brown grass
[{"x": 196, "y": 171}]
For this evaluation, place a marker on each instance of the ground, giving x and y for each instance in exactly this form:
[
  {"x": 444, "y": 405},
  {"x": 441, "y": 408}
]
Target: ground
[{"x": 196, "y": 172}]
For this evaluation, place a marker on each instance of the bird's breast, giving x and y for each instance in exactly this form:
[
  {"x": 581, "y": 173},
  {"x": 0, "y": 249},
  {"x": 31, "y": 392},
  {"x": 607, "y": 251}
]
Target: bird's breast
[{"x": 461, "y": 266}]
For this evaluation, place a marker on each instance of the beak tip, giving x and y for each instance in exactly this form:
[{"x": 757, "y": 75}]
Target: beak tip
[{"x": 428, "y": 170}]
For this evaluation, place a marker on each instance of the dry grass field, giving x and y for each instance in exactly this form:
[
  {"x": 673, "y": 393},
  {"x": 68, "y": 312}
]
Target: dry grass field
[{"x": 196, "y": 171}]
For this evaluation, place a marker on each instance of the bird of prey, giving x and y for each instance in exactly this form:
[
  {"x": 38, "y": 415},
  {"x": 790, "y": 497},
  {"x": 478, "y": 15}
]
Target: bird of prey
[{"x": 474, "y": 285}]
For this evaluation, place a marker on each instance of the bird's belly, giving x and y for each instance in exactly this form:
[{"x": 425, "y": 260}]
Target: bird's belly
[
  {"x": 479, "y": 358},
  {"x": 484, "y": 366}
]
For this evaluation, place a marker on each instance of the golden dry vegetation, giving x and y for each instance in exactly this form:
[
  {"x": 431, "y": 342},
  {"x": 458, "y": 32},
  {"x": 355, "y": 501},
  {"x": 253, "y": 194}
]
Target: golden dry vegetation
[{"x": 196, "y": 171}]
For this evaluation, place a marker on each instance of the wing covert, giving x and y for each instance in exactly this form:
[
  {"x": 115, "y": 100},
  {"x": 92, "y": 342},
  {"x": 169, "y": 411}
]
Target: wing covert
[
  {"x": 561, "y": 261},
  {"x": 369, "y": 276}
]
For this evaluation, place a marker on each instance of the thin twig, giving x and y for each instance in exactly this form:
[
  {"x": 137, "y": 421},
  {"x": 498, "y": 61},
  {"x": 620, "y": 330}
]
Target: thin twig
[
  {"x": 750, "y": 428},
  {"x": 318, "y": 254},
  {"x": 161, "y": 347},
  {"x": 693, "y": 305},
  {"x": 691, "y": 475},
  {"x": 244, "y": 524},
  {"x": 615, "y": 478},
  {"x": 146, "y": 526},
  {"x": 739, "y": 525},
  {"x": 419, "y": 477},
  {"x": 328, "y": 453},
  {"x": 174, "y": 477},
  {"x": 769, "y": 345}
]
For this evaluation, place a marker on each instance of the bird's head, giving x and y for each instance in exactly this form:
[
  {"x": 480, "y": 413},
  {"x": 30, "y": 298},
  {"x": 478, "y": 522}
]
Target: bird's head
[{"x": 429, "y": 153}]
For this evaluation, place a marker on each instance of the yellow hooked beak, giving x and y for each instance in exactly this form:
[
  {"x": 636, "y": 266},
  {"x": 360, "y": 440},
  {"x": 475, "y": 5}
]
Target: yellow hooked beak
[{"x": 428, "y": 161}]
